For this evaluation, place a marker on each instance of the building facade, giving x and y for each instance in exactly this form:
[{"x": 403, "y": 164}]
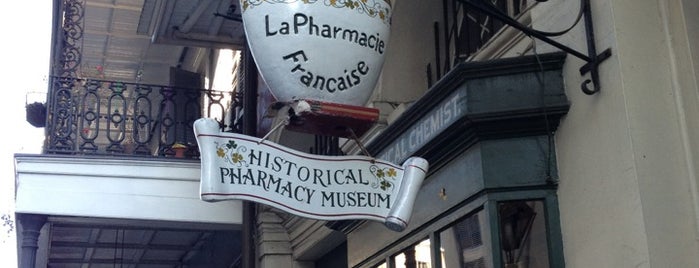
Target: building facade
[
  {"x": 622, "y": 190},
  {"x": 530, "y": 164}
]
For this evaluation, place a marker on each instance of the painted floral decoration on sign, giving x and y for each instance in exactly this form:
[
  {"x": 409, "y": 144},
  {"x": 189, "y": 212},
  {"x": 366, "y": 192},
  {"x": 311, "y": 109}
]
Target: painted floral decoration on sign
[
  {"x": 369, "y": 7},
  {"x": 383, "y": 175},
  {"x": 231, "y": 153}
]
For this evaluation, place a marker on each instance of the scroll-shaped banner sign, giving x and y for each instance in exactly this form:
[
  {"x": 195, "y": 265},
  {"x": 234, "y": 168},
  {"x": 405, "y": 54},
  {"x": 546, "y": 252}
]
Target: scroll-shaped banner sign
[
  {"x": 235, "y": 166},
  {"x": 326, "y": 50}
]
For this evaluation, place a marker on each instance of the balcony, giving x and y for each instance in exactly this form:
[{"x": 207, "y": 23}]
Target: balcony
[
  {"x": 100, "y": 117},
  {"x": 125, "y": 85}
]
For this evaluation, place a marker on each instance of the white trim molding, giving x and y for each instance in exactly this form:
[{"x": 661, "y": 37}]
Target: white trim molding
[{"x": 140, "y": 189}]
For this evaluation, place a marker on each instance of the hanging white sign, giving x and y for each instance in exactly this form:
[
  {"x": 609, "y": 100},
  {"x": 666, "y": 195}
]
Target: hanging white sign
[
  {"x": 330, "y": 51},
  {"x": 235, "y": 166}
]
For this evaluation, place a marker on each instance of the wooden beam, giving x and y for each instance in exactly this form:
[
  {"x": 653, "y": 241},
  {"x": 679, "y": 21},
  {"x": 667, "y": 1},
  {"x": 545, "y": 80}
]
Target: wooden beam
[
  {"x": 124, "y": 35},
  {"x": 67, "y": 244},
  {"x": 114, "y": 6},
  {"x": 113, "y": 261}
]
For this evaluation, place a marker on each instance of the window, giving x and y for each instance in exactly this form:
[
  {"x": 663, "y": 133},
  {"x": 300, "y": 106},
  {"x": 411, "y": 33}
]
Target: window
[
  {"x": 465, "y": 31},
  {"x": 519, "y": 227},
  {"x": 523, "y": 234},
  {"x": 462, "y": 244},
  {"x": 475, "y": 28},
  {"x": 417, "y": 256}
]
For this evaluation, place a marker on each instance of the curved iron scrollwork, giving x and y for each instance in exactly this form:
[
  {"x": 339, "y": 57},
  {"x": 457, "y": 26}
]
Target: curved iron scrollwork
[
  {"x": 71, "y": 54},
  {"x": 60, "y": 130},
  {"x": 61, "y": 119},
  {"x": 143, "y": 125},
  {"x": 119, "y": 118}
]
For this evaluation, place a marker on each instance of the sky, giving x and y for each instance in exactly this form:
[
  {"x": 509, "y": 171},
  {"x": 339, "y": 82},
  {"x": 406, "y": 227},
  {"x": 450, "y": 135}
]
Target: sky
[{"x": 24, "y": 69}]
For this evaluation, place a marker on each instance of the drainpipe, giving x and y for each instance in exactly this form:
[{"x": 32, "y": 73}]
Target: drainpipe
[{"x": 250, "y": 129}]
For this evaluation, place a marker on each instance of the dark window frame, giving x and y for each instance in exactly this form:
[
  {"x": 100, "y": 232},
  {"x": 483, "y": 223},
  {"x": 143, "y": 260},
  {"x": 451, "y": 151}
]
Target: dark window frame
[{"x": 488, "y": 202}]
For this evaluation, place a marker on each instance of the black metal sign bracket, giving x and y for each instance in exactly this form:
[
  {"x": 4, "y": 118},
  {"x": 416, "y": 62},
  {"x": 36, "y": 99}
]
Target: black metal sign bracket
[{"x": 592, "y": 59}]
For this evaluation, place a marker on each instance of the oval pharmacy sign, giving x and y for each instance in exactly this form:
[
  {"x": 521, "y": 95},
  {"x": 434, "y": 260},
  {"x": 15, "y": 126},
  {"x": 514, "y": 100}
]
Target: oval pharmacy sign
[{"x": 327, "y": 50}]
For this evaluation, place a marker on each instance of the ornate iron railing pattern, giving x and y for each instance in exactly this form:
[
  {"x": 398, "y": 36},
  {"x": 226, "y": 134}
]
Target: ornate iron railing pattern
[
  {"x": 60, "y": 105},
  {"x": 119, "y": 118},
  {"x": 70, "y": 54}
]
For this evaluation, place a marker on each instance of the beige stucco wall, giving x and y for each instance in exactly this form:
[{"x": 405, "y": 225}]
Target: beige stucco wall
[
  {"x": 627, "y": 156},
  {"x": 688, "y": 75},
  {"x": 624, "y": 160},
  {"x": 410, "y": 49}
]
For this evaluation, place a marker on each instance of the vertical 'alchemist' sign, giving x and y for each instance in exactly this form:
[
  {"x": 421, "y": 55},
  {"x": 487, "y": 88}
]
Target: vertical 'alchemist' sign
[
  {"x": 327, "y": 50},
  {"x": 236, "y": 166}
]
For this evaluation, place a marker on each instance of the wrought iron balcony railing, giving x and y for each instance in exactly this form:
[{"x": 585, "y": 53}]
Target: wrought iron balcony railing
[{"x": 100, "y": 117}]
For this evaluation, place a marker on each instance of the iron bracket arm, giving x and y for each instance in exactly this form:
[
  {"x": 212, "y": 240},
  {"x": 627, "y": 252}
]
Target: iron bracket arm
[{"x": 592, "y": 59}]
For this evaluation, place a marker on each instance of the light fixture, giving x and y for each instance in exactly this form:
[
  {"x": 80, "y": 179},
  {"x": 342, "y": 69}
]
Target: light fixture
[{"x": 516, "y": 220}]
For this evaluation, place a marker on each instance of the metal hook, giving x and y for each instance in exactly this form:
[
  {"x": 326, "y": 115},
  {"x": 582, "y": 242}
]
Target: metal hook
[{"x": 586, "y": 89}]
